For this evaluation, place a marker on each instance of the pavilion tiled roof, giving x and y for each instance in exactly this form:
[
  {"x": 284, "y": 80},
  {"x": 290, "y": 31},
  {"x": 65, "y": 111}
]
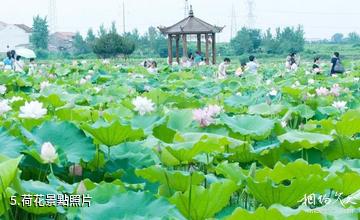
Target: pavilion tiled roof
[{"x": 191, "y": 25}]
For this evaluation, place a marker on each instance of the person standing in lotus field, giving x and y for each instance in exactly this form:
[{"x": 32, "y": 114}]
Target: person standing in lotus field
[{"x": 336, "y": 65}]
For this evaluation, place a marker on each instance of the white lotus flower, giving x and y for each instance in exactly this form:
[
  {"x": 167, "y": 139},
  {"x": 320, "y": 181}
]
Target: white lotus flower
[
  {"x": 283, "y": 124},
  {"x": 341, "y": 105},
  {"x": 33, "y": 110},
  {"x": 311, "y": 81},
  {"x": 82, "y": 81},
  {"x": 356, "y": 79},
  {"x": 273, "y": 92},
  {"x": 322, "y": 91},
  {"x": 106, "y": 61},
  {"x": 48, "y": 153},
  {"x": 2, "y": 89},
  {"x": 88, "y": 77},
  {"x": 44, "y": 85},
  {"x": 83, "y": 62},
  {"x": 143, "y": 105},
  {"x": 4, "y": 107},
  {"x": 15, "y": 99}
]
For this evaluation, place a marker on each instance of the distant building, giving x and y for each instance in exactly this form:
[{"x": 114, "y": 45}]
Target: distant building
[
  {"x": 13, "y": 36},
  {"x": 61, "y": 41}
]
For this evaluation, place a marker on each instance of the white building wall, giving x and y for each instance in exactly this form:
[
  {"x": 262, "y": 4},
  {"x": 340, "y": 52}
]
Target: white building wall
[{"x": 13, "y": 36}]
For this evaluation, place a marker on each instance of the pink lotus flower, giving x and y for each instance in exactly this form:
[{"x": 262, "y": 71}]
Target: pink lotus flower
[
  {"x": 206, "y": 116},
  {"x": 335, "y": 90},
  {"x": 203, "y": 117},
  {"x": 213, "y": 110},
  {"x": 322, "y": 91}
]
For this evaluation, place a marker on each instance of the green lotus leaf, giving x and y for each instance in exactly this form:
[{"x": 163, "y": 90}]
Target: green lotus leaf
[
  {"x": 174, "y": 180},
  {"x": 37, "y": 188},
  {"x": 238, "y": 101},
  {"x": 187, "y": 146},
  {"x": 253, "y": 126},
  {"x": 287, "y": 184},
  {"x": 10, "y": 146},
  {"x": 304, "y": 111},
  {"x": 131, "y": 205},
  {"x": 349, "y": 123},
  {"x": 265, "y": 109},
  {"x": 180, "y": 120},
  {"x": 232, "y": 171},
  {"x": 201, "y": 203},
  {"x": 163, "y": 133},
  {"x": 69, "y": 141},
  {"x": 113, "y": 134},
  {"x": 297, "y": 140},
  {"x": 273, "y": 213},
  {"x": 8, "y": 170},
  {"x": 343, "y": 147}
]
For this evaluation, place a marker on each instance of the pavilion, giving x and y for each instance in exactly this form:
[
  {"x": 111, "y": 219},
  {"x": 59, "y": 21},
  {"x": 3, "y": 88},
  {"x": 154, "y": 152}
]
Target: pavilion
[{"x": 191, "y": 26}]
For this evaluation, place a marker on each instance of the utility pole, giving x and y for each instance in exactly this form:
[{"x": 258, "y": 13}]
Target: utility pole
[
  {"x": 124, "y": 21},
  {"x": 186, "y": 9},
  {"x": 52, "y": 14},
  {"x": 251, "y": 18},
  {"x": 233, "y": 29}
]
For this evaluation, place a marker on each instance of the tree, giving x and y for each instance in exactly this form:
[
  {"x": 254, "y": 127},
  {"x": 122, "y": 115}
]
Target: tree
[
  {"x": 270, "y": 44},
  {"x": 337, "y": 38},
  {"x": 246, "y": 41},
  {"x": 353, "y": 37},
  {"x": 80, "y": 45},
  {"x": 291, "y": 39},
  {"x": 40, "y": 33},
  {"x": 128, "y": 47},
  {"x": 102, "y": 31},
  {"x": 113, "y": 28},
  {"x": 90, "y": 38}
]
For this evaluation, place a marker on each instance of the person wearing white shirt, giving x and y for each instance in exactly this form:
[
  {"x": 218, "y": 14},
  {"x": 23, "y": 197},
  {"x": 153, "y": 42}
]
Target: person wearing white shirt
[
  {"x": 222, "y": 68},
  {"x": 19, "y": 64},
  {"x": 252, "y": 66}
]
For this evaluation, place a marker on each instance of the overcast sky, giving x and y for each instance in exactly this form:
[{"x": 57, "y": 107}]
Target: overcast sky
[{"x": 320, "y": 18}]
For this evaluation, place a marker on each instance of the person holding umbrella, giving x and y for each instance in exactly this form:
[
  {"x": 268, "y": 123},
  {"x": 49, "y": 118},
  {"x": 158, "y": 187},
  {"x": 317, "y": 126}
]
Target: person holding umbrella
[{"x": 23, "y": 53}]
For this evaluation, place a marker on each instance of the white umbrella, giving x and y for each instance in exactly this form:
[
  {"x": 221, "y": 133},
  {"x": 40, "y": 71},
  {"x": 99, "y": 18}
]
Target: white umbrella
[{"x": 26, "y": 53}]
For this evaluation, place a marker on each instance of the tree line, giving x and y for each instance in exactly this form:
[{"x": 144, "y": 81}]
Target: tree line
[{"x": 109, "y": 43}]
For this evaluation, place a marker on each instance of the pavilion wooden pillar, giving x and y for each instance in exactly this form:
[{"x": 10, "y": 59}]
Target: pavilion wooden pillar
[
  {"x": 207, "y": 48},
  {"x": 199, "y": 43},
  {"x": 213, "y": 48},
  {"x": 170, "y": 54},
  {"x": 177, "y": 38},
  {"x": 185, "y": 51}
]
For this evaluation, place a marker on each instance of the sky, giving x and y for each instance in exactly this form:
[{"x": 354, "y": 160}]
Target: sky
[{"x": 320, "y": 18}]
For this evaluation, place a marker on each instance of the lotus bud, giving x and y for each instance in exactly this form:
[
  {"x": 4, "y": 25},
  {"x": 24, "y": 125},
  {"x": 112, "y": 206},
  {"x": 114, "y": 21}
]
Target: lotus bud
[
  {"x": 76, "y": 170},
  {"x": 81, "y": 190},
  {"x": 48, "y": 153},
  {"x": 252, "y": 171}
]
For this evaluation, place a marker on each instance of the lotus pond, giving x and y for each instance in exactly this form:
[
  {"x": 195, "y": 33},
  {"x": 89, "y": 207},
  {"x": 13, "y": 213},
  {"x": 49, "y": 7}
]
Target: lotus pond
[{"x": 178, "y": 144}]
